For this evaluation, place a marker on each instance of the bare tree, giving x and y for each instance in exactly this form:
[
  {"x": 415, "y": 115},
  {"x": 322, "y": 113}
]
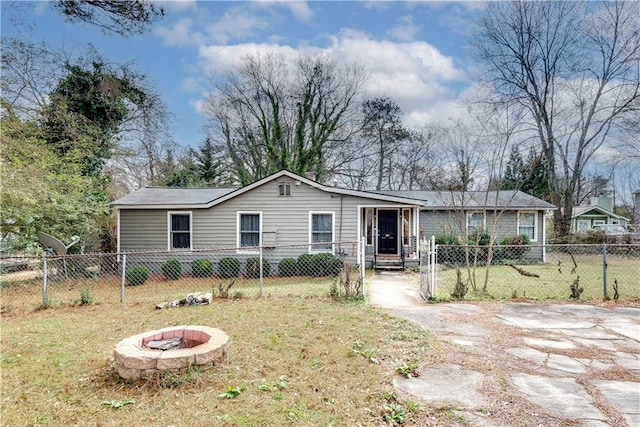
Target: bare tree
[
  {"x": 113, "y": 16},
  {"x": 415, "y": 161},
  {"x": 29, "y": 73},
  {"x": 270, "y": 115},
  {"x": 574, "y": 67}
]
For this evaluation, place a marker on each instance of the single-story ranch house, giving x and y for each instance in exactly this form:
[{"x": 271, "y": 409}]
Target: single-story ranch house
[{"x": 287, "y": 209}]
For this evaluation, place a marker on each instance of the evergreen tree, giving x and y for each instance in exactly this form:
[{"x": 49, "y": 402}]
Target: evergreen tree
[
  {"x": 513, "y": 174},
  {"x": 207, "y": 164}
]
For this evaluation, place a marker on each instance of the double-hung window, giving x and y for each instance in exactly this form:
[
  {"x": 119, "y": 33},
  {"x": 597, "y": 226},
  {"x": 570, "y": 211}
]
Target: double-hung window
[
  {"x": 527, "y": 222},
  {"x": 321, "y": 231},
  {"x": 475, "y": 222},
  {"x": 249, "y": 229},
  {"x": 179, "y": 230}
]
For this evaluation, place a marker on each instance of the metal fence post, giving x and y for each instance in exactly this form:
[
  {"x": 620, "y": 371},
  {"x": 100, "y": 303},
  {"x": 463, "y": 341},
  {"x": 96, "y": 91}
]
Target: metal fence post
[
  {"x": 604, "y": 269},
  {"x": 124, "y": 278},
  {"x": 362, "y": 265},
  {"x": 433, "y": 264},
  {"x": 44, "y": 279},
  {"x": 261, "y": 274}
]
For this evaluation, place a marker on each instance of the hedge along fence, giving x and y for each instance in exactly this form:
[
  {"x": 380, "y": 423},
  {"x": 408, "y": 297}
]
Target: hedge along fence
[{"x": 162, "y": 275}]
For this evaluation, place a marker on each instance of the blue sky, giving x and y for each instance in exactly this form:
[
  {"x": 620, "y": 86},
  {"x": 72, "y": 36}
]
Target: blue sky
[{"x": 417, "y": 53}]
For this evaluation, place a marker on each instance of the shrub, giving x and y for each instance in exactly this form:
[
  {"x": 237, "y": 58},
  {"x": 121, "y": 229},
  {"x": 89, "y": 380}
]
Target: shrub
[
  {"x": 447, "y": 239},
  {"x": 86, "y": 298},
  {"x": 513, "y": 247},
  {"x": 137, "y": 275},
  {"x": 326, "y": 264},
  {"x": 252, "y": 268},
  {"x": 202, "y": 267},
  {"x": 305, "y": 264},
  {"x": 229, "y": 267},
  {"x": 450, "y": 251},
  {"x": 172, "y": 269},
  {"x": 480, "y": 238},
  {"x": 287, "y": 267}
]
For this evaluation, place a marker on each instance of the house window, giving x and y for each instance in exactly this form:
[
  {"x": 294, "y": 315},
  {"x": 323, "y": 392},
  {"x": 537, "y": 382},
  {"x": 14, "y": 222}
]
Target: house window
[
  {"x": 179, "y": 230},
  {"x": 583, "y": 225},
  {"x": 527, "y": 225},
  {"x": 369, "y": 225},
  {"x": 475, "y": 222},
  {"x": 406, "y": 224},
  {"x": 249, "y": 225},
  {"x": 284, "y": 189},
  {"x": 321, "y": 231}
]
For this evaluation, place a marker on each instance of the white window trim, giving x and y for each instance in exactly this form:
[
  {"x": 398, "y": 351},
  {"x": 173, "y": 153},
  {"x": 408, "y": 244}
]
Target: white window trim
[
  {"x": 169, "y": 215},
  {"x": 333, "y": 231},
  {"x": 484, "y": 220},
  {"x": 373, "y": 226},
  {"x": 253, "y": 250},
  {"x": 535, "y": 224},
  {"x": 284, "y": 186}
]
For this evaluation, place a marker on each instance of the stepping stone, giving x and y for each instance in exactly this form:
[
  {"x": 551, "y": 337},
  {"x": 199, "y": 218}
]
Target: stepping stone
[
  {"x": 624, "y": 396},
  {"x": 559, "y": 396},
  {"x": 447, "y": 383},
  {"x": 536, "y": 342}
]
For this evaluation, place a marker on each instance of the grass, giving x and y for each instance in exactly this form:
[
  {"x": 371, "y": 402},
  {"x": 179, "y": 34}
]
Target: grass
[
  {"x": 555, "y": 278},
  {"x": 291, "y": 362},
  {"x": 25, "y": 295}
]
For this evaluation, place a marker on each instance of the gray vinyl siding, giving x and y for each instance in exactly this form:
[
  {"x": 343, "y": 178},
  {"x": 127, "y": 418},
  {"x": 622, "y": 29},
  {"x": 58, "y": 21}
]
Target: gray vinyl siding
[
  {"x": 143, "y": 229},
  {"x": 433, "y": 223},
  {"x": 285, "y": 219}
]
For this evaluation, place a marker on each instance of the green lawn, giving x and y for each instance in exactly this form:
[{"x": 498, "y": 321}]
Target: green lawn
[
  {"x": 26, "y": 295},
  {"x": 555, "y": 278},
  {"x": 57, "y": 365}
]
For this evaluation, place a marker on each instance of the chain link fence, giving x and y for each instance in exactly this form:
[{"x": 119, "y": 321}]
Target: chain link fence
[
  {"x": 569, "y": 272},
  {"x": 180, "y": 278}
]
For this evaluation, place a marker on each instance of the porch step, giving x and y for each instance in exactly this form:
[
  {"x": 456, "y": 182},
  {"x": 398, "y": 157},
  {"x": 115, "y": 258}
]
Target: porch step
[{"x": 388, "y": 264}]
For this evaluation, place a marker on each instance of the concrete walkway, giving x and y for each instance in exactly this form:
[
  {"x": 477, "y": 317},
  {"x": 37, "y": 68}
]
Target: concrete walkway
[{"x": 523, "y": 364}]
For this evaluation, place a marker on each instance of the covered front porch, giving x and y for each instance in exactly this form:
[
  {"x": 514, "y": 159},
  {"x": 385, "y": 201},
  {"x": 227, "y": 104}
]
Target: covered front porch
[{"x": 390, "y": 235}]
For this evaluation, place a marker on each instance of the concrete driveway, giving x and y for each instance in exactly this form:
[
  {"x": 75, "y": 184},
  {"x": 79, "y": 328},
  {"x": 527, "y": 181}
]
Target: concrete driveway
[{"x": 504, "y": 364}]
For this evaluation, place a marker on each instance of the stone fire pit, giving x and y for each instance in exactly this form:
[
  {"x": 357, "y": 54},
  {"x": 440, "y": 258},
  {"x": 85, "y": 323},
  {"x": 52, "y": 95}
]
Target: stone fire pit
[{"x": 142, "y": 355}]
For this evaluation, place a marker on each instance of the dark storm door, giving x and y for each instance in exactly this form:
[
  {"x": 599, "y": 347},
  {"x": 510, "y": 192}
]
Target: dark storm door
[{"x": 387, "y": 231}]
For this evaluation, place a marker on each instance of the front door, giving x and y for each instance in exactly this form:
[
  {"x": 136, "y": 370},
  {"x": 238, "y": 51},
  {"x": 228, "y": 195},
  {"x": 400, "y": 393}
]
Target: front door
[{"x": 387, "y": 231}]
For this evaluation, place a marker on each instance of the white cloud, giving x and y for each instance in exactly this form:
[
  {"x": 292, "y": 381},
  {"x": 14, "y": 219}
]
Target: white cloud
[
  {"x": 216, "y": 58},
  {"x": 405, "y": 30},
  {"x": 376, "y": 5},
  {"x": 190, "y": 84},
  {"x": 421, "y": 80},
  {"x": 299, "y": 9},
  {"x": 176, "y": 5},
  {"x": 234, "y": 25},
  {"x": 179, "y": 34}
]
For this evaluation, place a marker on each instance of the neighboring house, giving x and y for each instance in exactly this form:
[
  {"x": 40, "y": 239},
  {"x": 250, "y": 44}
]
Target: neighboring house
[
  {"x": 598, "y": 212},
  {"x": 285, "y": 208}
]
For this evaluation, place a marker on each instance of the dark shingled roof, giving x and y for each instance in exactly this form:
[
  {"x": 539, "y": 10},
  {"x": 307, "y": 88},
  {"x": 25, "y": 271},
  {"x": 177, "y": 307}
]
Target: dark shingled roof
[
  {"x": 175, "y": 197},
  {"x": 447, "y": 200},
  {"x": 169, "y": 196}
]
